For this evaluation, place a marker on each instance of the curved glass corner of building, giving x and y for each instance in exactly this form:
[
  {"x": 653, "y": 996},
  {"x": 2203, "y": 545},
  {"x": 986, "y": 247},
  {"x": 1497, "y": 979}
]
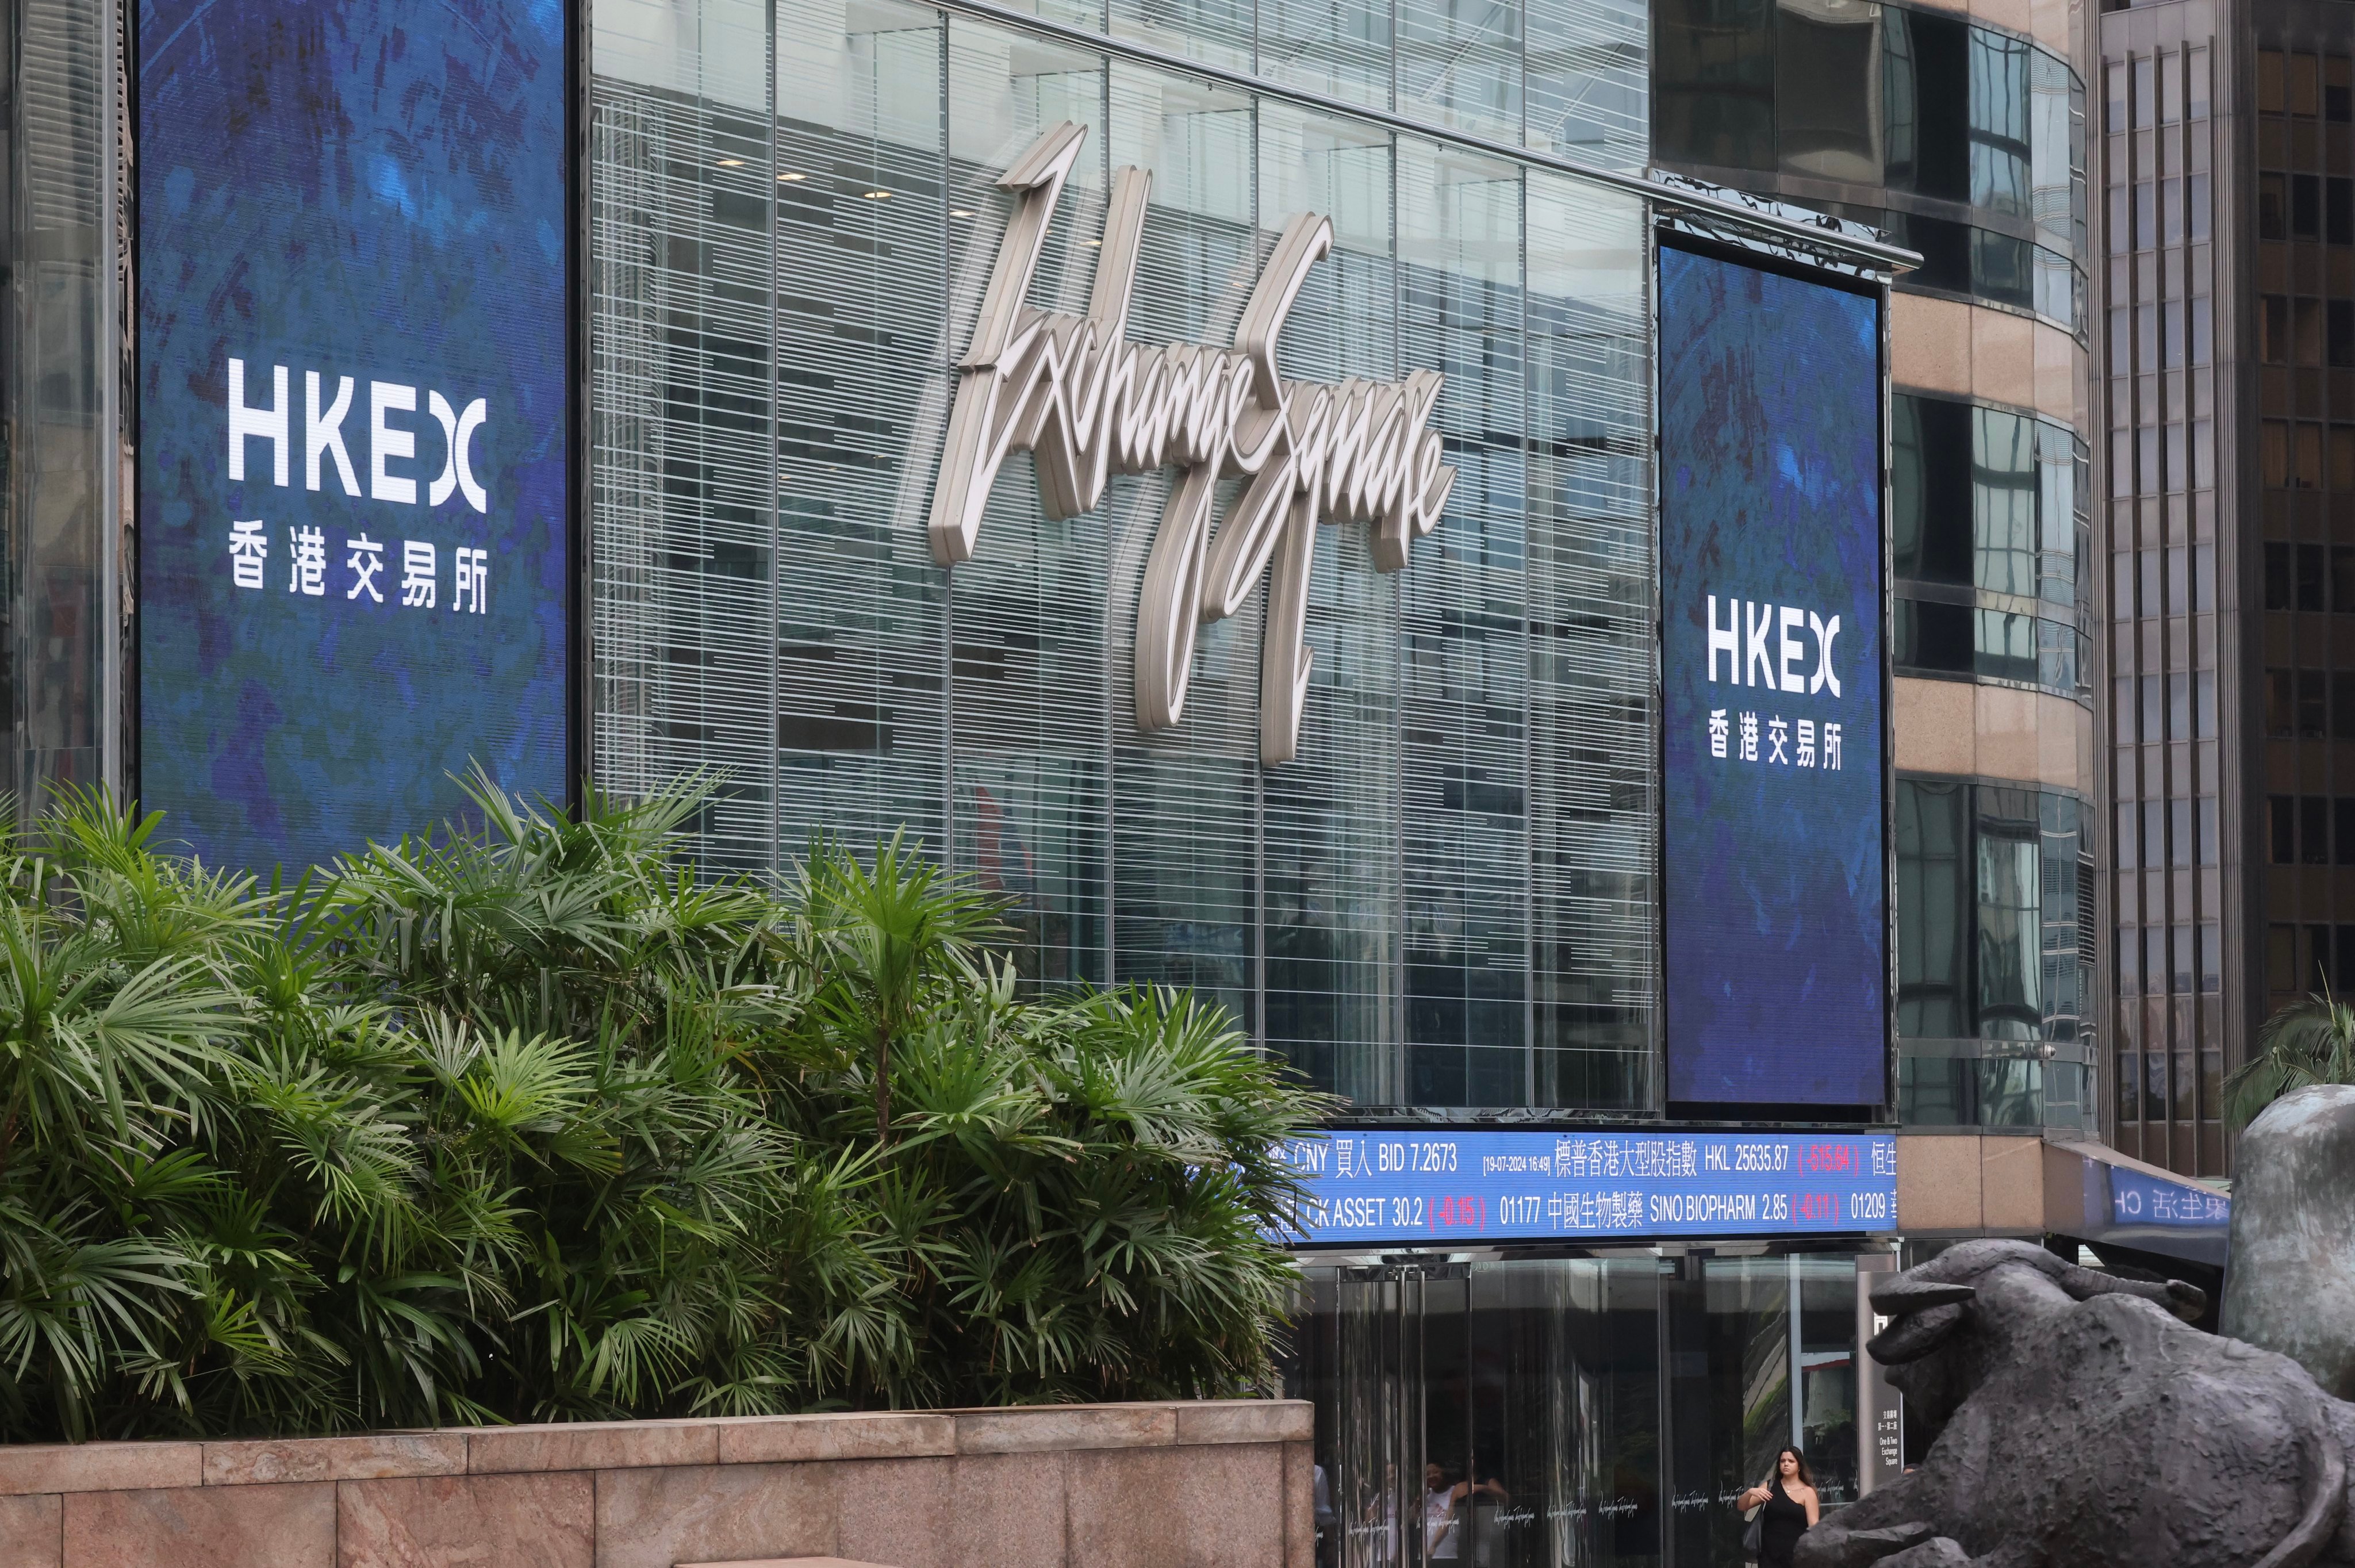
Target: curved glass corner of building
[
  {"x": 1990, "y": 533},
  {"x": 1996, "y": 956},
  {"x": 1963, "y": 142}
]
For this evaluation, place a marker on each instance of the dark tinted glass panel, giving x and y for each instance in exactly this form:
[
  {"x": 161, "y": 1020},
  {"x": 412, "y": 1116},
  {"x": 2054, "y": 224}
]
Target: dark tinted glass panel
[
  {"x": 1926, "y": 103},
  {"x": 2305, "y": 207},
  {"x": 2338, "y": 212},
  {"x": 2309, "y": 576},
  {"x": 2314, "y": 829},
  {"x": 2272, "y": 199},
  {"x": 2002, "y": 268},
  {"x": 2277, "y": 702},
  {"x": 1728, "y": 1332},
  {"x": 2312, "y": 720},
  {"x": 2277, "y": 577},
  {"x": 2342, "y": 333},
  {"x": 2281, "y": 828},
  {"x": 2342, "y": 707},
  {"x": 1934, "y": 915},
  {"x": 1946, "y": 248},
  {"x": 2342, "y": 832},
  {"x": 1931, "y": 485},
  {"x": 1932, "y": 636},
  {"x": 1713, "y": 83},
  {"x": 1823, "y": 60}
]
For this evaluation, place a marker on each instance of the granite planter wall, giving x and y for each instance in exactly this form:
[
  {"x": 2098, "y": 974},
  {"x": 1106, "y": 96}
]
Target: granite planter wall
[{"x": 1223, "y": 1484}]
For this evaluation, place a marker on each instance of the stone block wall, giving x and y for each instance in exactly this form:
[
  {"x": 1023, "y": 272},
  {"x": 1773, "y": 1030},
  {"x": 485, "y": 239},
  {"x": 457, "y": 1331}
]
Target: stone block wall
[{"x": 1224, "y": 1484}]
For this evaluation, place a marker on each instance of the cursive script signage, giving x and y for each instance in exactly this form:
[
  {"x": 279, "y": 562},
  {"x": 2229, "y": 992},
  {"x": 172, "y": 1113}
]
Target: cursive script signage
[{"x": 1086, "y": 404}]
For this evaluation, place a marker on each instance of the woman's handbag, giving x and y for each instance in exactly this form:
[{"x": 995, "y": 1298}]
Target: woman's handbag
[{"x": 1754, "y": 1535}]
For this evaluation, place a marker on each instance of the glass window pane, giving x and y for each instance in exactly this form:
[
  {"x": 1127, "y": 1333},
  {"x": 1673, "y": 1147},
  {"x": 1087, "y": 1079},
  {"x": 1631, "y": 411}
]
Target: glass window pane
[
  {"x": 1934, "y": 522},
  {"x": 1934, "y": 918},
  {"x": 1459, "y": 64},
  {"x": 1714, "y": 83},
  {"x": 1827, "y": 63},
  {"x": 1340, "y": 48},
  {"x": 1218, "y": 31},
  {"x": 1926, "y": 92},
  {"x": 1591, "y": 650},
  {"x": 1588, "y": 81},
  {"x": 2004, "y": 494},
  {"x": 1466, "y": 883},
  {"x": 2009, "y": 914}
]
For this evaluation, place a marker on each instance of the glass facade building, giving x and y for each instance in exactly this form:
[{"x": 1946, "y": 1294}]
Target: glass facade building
[
  {"x": 63, "y": 369},
  {"x": 1447, "y": 901},
  {"x": 1963, "y": 137},
  {"x": 1446, "y": 907},
  {"x": 2228, "y": 233}
]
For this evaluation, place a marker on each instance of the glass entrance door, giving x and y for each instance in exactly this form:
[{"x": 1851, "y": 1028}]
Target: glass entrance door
[
  {"x": 1497, "y": 1416},
  {"x": 1379, "y": 1404}
]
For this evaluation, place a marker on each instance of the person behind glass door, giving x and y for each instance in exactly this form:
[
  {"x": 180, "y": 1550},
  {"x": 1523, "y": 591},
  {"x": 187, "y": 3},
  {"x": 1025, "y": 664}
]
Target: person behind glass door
[
  {"x": 1789, "y": 1498},
  {"x": 1441, "y": 1523}
]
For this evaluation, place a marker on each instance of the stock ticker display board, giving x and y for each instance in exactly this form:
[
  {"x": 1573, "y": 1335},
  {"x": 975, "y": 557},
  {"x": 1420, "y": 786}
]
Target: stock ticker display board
[
  {"x": 1442, "y": 1188},
  {"x": 355, "y": 572},
  {"x": 1775, "y": 905}
]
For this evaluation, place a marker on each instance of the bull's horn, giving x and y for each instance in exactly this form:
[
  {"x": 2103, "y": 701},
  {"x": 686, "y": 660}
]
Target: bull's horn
[
  {"x": 1902, "y": 1294},
  {"x": 1914, "y": 1334}
]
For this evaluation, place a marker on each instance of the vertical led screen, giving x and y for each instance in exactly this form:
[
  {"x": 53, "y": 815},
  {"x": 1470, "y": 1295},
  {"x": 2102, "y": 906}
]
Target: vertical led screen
[
  {"x": 1777, "y": 899},
  {"x": 353, "y": 391}
]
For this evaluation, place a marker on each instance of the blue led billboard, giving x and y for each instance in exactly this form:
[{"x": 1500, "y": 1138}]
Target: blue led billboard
[
  {"x": 1776, "y": 905},
  {"x": 353, "y": 400},
  {"x": 1440, "y": 1188}
]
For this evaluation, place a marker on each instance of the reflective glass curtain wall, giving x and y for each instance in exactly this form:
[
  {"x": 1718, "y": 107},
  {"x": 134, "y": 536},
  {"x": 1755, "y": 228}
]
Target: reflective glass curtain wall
[
  {"x": 1447, "y": 898},
  {"x": 2172, "y": 605},
  {"x": 1963, "y": 142},
  {"x": 61, "y": 345},
  {"x": 1995, "y": 955}
]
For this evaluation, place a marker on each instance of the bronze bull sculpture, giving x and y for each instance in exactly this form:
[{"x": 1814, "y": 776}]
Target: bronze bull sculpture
[{"x": 2081, "y": 1424}]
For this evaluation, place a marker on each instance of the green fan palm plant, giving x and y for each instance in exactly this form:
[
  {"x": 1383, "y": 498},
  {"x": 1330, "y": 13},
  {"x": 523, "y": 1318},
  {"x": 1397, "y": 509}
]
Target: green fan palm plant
[
  {"x": 2309, "y": 1041},
  {"x": 526, "y": 1120}
]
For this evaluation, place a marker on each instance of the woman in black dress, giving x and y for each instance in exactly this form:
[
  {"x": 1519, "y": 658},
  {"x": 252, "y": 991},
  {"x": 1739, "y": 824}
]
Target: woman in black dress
[{"x": 1789, "y": 1498}]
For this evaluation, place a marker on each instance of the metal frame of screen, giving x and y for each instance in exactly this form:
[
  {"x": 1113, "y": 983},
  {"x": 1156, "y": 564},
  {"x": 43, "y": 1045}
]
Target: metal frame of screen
[
  {"x": 126, "y": 686},
  {"x": 1721, "y": 244}
]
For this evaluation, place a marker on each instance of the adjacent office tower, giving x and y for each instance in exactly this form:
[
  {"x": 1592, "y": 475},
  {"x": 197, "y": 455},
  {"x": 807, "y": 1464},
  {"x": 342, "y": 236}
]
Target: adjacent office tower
[
  {"x": 2227, "y": 237},
  {"x": 1961, "y": 136}
]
